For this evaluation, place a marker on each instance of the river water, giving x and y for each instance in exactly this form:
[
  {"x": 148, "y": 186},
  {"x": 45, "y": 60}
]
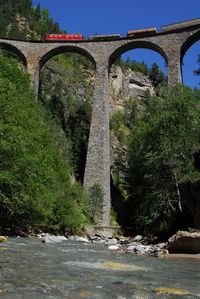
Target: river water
[{"x": 32, "y": 269}]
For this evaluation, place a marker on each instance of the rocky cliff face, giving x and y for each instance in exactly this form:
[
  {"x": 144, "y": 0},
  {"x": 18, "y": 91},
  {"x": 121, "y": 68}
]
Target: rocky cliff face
[{"x": 124, "y": 86}]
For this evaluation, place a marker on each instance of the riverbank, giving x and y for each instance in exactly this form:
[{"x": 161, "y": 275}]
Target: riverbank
[{"x": 137, "y": 245}]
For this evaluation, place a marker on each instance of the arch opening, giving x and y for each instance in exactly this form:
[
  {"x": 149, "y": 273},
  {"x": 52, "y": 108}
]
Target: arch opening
[
  {"x": 189, "y": 56},
  {"x": 66, "y": 49},
  {"x": 12, "y": 51},
  {"x": 66, "y": 90},
  {"x": 132, "y": 73},
  {"x": 136, "y": 45}
]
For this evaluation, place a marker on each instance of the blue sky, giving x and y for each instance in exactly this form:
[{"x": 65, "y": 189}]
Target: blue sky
[{"x": 119, "y": 16}]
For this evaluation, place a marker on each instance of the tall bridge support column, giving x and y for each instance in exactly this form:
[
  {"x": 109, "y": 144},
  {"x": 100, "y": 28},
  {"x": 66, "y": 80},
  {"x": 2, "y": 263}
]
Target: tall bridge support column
[
  {"x": 33, "y": 70},
  {"x": 174, "y": 67},
  {"x": 97, "y": 169}
]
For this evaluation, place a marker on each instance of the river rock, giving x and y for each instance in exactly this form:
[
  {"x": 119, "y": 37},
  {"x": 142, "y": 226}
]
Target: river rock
[
  {"x": 113, "y": 247},
  {"x": 138, "y": 238},
  {"x": 130, "y": 248},
  {"x": 53, "y": 239},
  {"x": 184, "y": 242},
  {"x": 101, "y": 241},
  {"x": 112, "y": 241},
  {"x": 71, "y": 238},
  {"x": 3, "y": 239},
  {"x": 161, "y": 245},
  {"x": 124, "y": 241},
  {"x": 140, "y": 249},
  {"x": 82, "y": 239}
]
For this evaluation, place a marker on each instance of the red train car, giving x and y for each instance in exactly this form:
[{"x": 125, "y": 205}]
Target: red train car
[{"x": 64, "y": 37}]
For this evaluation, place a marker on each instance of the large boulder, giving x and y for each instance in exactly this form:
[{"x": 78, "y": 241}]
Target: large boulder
[{"x": 184, "y": 242}]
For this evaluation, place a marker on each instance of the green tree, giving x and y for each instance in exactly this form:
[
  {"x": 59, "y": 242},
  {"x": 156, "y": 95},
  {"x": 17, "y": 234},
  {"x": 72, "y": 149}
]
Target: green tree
[
  {"x": 140, "y": 67},
  {"x": 154, "y": 74},
  {"x": 35, "y": 182},
  {"x": 36, "y": 22},
  {"x": 37, "y": 13},
  {"x": 165, "y": 138},
  {"x": 197, "y": 71},
  {"x": 95, "y": 203}
]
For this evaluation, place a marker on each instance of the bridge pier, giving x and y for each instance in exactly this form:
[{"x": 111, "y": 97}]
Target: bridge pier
[
  {"x": 97, "y": 169},
  {"x": 174, "y": 67},
  {"x": 34, "y": 72}
]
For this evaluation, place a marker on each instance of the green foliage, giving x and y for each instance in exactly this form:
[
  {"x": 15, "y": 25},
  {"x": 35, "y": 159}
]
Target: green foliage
[
  {"x": 165, "y": 137},
  {"x": 35, "y": 182},
  {"x": 44, "y": 24},
  {"x": 197, "y": 71},
  {"x": 157, "y": 76},
  {"x": 96, "y": 195},
  {"x": 121, "y": 121},
  {"x": 19, "y": 20},
  {"x": 140, "y": 67}
]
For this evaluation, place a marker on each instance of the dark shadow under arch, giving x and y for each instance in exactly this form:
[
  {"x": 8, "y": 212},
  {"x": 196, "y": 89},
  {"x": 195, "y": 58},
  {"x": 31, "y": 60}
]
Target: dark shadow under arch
[
  {"x": 16, "y": 51},
  {"x": 65, "y": 49},
  {"x": 134, "y": 45}
]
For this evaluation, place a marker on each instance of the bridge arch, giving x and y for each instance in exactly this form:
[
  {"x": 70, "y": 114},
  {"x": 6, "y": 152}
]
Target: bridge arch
[
  {"x": 66, "y": 49},
  {"x": 15, "y": 50},
  {"x": 135, "y": 45},
  {"x": 189, "y": 42},
  {"x": 188, "y": 59}
]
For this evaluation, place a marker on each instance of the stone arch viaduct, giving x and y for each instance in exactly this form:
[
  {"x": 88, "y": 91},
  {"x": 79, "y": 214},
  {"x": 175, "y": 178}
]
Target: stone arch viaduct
[{"x": 172, "y": 45}]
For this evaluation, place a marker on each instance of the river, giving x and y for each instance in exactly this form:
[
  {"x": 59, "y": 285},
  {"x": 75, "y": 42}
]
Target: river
[{"x": 73, "y": 270}]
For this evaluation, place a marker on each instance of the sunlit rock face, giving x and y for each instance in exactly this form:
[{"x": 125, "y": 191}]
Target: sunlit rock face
[{"x": 126, "y": 85}]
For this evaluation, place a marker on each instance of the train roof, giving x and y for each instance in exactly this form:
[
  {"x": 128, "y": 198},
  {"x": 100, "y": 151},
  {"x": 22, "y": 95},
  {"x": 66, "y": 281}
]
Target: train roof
[
  {"x": 102, "y": 35},
  {"x": 142, "y": 30},
  {"x": 180, "y": 25}
]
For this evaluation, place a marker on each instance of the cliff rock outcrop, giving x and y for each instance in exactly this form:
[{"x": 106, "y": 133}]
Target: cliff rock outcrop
[{"x": 126, "y": 85}]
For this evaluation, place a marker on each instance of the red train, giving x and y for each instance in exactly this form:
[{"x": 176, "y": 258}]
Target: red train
[
  {"x": 97, "y": 37},
  {"x": 64, "y": 37}
]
